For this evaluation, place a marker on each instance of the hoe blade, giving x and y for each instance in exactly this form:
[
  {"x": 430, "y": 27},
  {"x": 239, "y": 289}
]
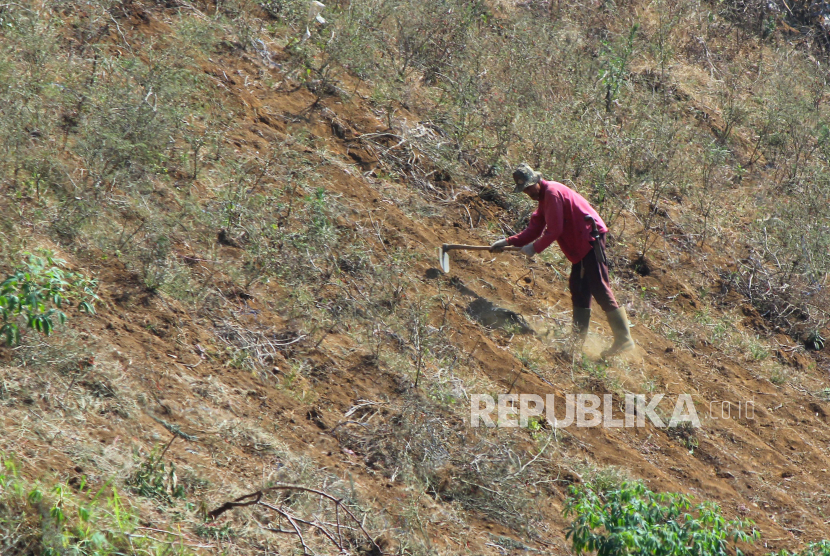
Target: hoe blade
[{"x": 444, "y": 259}]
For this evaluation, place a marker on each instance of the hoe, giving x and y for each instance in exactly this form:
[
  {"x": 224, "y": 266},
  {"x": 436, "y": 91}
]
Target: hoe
[{"x": 444, "y": 252}]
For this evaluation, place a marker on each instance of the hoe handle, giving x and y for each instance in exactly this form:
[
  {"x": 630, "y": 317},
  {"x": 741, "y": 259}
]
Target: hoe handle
[{"x": 453, "y": 246}]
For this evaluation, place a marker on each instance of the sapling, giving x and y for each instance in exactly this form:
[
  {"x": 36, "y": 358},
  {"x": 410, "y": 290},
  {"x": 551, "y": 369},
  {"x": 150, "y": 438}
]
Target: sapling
[{"x": 38, "y": 291}]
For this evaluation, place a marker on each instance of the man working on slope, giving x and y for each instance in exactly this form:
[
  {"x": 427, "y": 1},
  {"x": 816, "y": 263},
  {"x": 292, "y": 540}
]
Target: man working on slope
[{"x": 564, "y": 216}]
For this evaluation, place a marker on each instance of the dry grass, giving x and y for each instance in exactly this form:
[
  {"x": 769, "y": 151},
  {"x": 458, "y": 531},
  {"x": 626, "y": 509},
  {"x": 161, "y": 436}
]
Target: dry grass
[{"x": 247, "y": 244}]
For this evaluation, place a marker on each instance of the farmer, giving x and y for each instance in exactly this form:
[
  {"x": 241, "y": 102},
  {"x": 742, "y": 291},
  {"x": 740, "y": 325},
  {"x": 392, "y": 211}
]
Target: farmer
[{"x": 564, "y": 216}]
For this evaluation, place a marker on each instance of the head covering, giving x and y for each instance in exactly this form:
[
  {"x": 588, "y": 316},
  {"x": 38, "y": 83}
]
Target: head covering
[{"x": 524, "y": 176}]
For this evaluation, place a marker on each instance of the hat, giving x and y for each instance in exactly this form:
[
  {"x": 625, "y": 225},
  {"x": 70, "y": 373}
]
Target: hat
[{"x": 525, "y": 176}]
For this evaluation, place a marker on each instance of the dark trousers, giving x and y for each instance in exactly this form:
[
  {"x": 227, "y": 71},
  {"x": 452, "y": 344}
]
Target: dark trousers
[{"x": 589, "y": 277}]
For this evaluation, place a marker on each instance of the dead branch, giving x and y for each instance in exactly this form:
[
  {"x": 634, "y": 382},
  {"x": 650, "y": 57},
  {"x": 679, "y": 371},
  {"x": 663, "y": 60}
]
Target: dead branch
[{"x": 336, "y": 538}]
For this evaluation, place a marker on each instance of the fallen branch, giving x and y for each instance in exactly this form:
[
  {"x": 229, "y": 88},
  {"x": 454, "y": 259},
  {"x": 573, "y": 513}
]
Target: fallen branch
[{"x": 256, "y": 499}]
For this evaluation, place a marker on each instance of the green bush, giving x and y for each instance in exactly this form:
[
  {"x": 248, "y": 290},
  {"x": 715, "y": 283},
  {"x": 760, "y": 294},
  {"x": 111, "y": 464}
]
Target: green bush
[
  {"x": 37, "y": 292},
  {"x": 634, "y": 520}
]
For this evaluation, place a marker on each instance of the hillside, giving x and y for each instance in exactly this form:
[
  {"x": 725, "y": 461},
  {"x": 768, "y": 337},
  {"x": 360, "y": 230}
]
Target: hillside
[{"x": 256, "y": 200}]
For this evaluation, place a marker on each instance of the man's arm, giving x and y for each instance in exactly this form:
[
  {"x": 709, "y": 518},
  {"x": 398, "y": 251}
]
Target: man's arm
[
  {"x": 554, "y": 222},
  {"x": 534, "y": 229}
]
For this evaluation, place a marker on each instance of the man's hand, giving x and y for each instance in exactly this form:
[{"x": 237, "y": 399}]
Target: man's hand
[
  {"x": 529, "y": 251},
  {"x": 499, "y": 246}
]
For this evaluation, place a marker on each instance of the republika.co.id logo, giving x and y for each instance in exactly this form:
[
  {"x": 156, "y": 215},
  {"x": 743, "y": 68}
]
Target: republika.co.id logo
[{"x": 589, "y": 410}]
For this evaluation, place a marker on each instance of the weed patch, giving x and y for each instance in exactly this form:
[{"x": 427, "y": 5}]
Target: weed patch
[{"x": 54, "y": 519}]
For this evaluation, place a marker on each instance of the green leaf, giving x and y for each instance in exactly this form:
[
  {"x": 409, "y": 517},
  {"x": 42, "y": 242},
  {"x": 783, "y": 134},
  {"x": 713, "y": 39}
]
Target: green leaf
[
  {"x": 12, "y": 333},
  {"x": 33, "y": 301},
  {"x": 57, "y": 514},
  {"x": 35, "y": 495},
  {"x": 38, "y": 292},
  {"x": 634, "y": 520}
]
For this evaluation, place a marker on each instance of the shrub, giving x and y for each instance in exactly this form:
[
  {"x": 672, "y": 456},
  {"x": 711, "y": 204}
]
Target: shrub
[
  {"x": 153, "y": 479},
  {"x": 38, "y": 290},
  {"x": 634, "y": 520}
]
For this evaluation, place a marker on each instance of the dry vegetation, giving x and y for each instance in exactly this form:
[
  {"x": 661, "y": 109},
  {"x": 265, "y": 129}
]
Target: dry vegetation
[{"x": 251, "y": 203}]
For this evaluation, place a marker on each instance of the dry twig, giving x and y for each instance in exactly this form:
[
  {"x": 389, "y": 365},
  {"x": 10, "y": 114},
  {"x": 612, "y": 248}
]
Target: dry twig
[{"x": 336, "y": 538}]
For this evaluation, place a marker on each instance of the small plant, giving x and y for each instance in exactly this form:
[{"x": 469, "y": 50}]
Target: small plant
[
  {"x": 152, "y": 479},
  {"x": 634, "y": 520},
  {"x": 38, "y": 291},
  {"x": 52, "y": 520},
  {"x": 595, "y": 375},
  {"x": 214, "y": 532},
  {"x": 778, "y": 376},
  {"x": 595, "y": 369},
  {"x": 820, "y": 548},
  {"x": 535, "y": 424},
  {"x": 685, "y": 434},
  {"x": 814, "y": 341},
  {"x": 602, "y": 479},
  {"x": 720, "y": 329},
  {"x": 769, "y": 26},
  {"x": 615, "y": 71},
  {"x": 530, "y": 359},
  {"x": 757, "y": 351}
]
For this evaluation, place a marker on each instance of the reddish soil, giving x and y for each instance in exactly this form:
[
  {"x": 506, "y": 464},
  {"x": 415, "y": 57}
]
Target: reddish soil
[{"x": 771, "y": 468}]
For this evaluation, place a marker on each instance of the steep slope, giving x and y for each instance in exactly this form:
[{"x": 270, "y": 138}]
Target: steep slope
[{"x": 334, "y": 354}]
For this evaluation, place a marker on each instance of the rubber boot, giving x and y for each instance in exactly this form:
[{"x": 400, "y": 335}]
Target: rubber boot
[
  {"x": 618, "y": 321},
  {"x": 581, "y": 322}
]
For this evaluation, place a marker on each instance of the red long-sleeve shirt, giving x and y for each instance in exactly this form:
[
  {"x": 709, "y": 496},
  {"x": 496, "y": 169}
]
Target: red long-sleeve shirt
[{"x": 560, "y": 217}]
